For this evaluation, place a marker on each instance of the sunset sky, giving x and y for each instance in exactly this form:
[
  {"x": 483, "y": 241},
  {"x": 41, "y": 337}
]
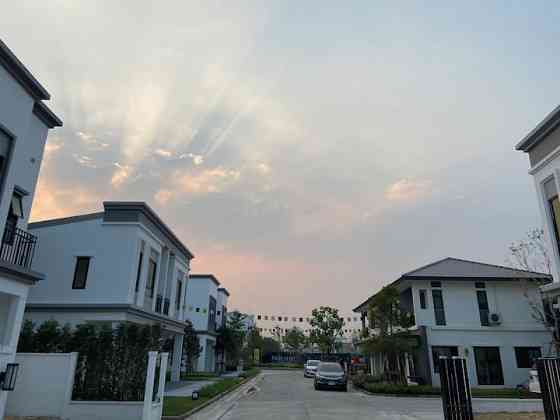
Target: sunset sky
[{"x": 306, "y": 152}]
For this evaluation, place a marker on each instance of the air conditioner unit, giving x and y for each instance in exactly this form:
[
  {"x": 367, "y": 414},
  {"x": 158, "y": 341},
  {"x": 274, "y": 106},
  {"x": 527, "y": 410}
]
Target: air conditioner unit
[{"x": 495, "y": 318}]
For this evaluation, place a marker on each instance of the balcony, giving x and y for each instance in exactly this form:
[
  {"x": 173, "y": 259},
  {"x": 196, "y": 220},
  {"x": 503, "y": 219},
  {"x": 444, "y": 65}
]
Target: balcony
[
  {"x": 18, "y": 247},
  {"x": 162, "y": 303}
]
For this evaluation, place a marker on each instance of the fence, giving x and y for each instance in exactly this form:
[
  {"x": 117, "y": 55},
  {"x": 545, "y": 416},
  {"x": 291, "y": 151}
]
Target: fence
[
  {"x": 455, "y": 389},
  {"x": 549, "y": 378},
  {"x": 45, "y": 383}
]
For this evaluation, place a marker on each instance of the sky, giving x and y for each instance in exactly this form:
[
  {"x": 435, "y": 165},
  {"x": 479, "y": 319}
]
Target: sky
[{"x": 307, "y": 153}]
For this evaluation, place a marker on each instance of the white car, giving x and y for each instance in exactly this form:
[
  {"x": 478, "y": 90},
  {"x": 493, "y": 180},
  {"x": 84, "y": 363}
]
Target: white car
[{"x": 310, "y": 368}]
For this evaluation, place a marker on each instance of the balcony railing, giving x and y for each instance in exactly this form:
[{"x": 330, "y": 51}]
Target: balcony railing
[
  {"x": 18, "y": 247},
  {"x": 166, "y": 306},
  {"x": 159, "y": 301}
]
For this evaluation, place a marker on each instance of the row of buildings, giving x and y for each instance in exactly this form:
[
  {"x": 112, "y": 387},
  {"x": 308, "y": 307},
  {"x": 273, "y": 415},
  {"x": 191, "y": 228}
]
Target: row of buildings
[
  {"x": 121, "y": 264},
  {"x": 500, "y": 319}
]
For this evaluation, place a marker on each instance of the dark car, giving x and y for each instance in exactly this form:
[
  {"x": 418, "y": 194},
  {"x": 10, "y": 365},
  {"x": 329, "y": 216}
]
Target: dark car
[{"x": 330, "y": 375}]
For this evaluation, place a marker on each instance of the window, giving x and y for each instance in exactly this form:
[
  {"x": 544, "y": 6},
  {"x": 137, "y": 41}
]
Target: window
[
  {"x": 15, "y": 212},
  {"x": 285, "y": 318},
  {"x": 349, "y": 319},
  {"x": 423, "y": 303},
  {"x": 445, "y": 351},
  {"x": 259, "y": 317},
  {"x": 152, "y": 271},
  {"x": 80, "y": 273},
  {"x": 554, "y": 206},
  {"x": 482, "y": 299},
  {"x": 178, "y": 296},
  {"x": 436, "y": 284},
  {"x": 294, "y": 319},
  {"x": 301, "y": 320},
  {"x": 266, "y": 317},
  {"x": 5, "y": 145},
  {"x": 139, "y": 272},
  {"x": 272, "y": 318},
  {"x": 526, "y": 356},
  {"x": 480, "y": 285},
  {"x": 197, "y": 309},
  {"x": 439, "y": 309},
  {"x": 355, "y": 319},
  {"x": 488, "y": 366}
]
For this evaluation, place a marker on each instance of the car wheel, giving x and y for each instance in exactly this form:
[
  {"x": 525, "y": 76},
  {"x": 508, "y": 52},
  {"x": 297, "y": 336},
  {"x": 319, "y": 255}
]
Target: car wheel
[
  {"x": 345, "y": 389},
  {"x": 316, "y": 387}
]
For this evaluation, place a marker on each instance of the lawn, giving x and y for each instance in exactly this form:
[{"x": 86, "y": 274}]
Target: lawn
[{"x": 175, "y": 406}]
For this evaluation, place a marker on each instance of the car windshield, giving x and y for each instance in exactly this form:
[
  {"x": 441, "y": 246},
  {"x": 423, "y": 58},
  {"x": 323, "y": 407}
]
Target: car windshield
[
  {"x": 313, "y": 362},
  {"x": 330, "y": 368}
]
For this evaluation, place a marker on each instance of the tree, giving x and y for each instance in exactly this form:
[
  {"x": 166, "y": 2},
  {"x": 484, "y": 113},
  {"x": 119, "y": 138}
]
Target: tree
[
  {"x": 26, "y": 343},
  {"x": 390, "y": 335},
  {"x": 254, "y": 342},
  {"x": 270, "y": 345},
  {"x": 191, "y": 346},
  {"x": 295, "y": 339},
  {"x": 532, "y": 254},
  {"x": 326, "y": 328},
  {"x": 231, "y": 336}
]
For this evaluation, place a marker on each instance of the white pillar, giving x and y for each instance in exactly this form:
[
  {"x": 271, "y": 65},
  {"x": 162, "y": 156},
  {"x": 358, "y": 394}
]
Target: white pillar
[
  {"x": 149, "y": 388},
  {"x": 177, "y": 358},
  {"x": 161, "y": 387}
]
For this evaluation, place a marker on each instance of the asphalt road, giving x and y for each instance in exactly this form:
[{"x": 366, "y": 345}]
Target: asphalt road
[{"x": 287, "y": 395}]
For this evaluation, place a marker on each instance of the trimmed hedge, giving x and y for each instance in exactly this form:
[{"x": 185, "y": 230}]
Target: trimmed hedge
[{"x": 281, "y": 365}]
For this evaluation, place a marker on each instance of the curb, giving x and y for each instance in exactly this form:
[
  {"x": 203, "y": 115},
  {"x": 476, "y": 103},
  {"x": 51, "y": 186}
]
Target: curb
[{"x": 212, "y": 400}]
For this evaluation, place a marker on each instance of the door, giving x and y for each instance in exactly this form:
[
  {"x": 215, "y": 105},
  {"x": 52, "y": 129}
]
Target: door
[{"x": 488, "y": 366}]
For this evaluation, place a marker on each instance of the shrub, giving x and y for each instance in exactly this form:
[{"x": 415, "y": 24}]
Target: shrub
[
  {"x": 214, "y": 389},
  {"x": 360, "y": 379},
  {"x": 250, "y": 373},
  {"x": 381, "y": 388}
]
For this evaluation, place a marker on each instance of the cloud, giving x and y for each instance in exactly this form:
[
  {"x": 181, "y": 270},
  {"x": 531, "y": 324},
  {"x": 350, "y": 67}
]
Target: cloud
[
  {"x": 405, "y": 190},
  {"x": 164, "y": 153},
  {"x": 209, "y": 181},
  {"x": 91, "y": 141},
  {"x": 121, "y": 174},
  {"x": 85, "y": 161},
  {"x": 263, "y": 168},
  {"x": 162, "y": 197},
  {"x": 52, "y": 146}
]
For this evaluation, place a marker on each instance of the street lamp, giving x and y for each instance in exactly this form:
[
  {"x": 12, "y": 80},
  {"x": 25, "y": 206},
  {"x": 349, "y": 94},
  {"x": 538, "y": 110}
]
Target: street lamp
[
  {"x": 8, "y": 377},
  {"x": 195, "y": 395}
]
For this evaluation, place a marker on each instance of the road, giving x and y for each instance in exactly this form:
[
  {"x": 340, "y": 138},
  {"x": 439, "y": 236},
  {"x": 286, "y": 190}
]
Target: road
[{"x": 286, "y": 395}]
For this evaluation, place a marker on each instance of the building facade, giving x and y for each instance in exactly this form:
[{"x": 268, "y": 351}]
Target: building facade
[
  {"x": 122, "y": 264},
  {"x": 542, "y": 145},
  {"x": 478, "y": 311},
  {"x": 206, "y": 302},
  {"x": 24, "y": 124}
]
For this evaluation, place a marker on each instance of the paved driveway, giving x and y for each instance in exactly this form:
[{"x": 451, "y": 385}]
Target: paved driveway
[{"x": 286, "y": 395}]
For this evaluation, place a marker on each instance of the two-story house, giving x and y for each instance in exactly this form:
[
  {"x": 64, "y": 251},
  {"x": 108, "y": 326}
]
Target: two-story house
[
  {"x": 121, "y": 264},
  {"x": 542, "y": 145},
  {"x": 24, "y": 124},
  {"x": 206, "y": 302},
  {"x": 481, "y": 312}
]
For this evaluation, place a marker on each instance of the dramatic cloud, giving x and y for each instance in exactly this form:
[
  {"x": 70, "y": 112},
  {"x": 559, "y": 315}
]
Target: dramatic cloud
[{"x": 304, "y": 160}]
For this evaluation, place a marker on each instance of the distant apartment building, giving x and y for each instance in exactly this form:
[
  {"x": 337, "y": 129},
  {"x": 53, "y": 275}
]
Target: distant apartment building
[
  {"x": 276, "y": 326},
  {"x": 207, "y": 309},
  {"x": 478, "y": 311},
  {"x": 542, "y": 145},
  {"x": 121, "y": 264},
  {"x": 24, "y": 124}
]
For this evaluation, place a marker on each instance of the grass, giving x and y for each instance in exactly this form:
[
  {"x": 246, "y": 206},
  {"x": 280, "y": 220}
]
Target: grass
[
  {"x": 198, "y": 376},
  {"x": 281, "y": 365},
  {"x": 175, "y": 406}
]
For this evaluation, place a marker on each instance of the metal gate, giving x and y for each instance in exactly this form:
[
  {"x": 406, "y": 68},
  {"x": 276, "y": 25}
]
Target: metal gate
[
  {"x": 549, "y": 378},
  {"x": 455, "y": 389}
]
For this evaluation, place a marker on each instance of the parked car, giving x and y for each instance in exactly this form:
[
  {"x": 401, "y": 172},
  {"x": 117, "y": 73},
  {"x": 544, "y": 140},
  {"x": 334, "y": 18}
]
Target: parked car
[
  {"x": 330, "y": 375},
  {"x": 310, "y": 368}
]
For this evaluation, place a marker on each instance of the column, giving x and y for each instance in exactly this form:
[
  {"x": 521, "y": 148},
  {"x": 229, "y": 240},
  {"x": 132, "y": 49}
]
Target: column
[
  {"x": 143, "y": 275},
  {"x": 177, "y": 358}
]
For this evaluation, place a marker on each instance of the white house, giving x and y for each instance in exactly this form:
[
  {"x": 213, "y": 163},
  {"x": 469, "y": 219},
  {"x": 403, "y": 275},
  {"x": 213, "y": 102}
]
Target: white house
[
  {"x": 203, "y": 295},
  {"x": 542, "y": 145},
  {"x": 121, "y": 264},
  {"x": 24, "y": 124},
  {"x": 478, "y": 311}
]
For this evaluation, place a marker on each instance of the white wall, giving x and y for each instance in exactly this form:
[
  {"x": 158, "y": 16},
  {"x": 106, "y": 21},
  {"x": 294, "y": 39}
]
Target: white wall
[
  {"x": 198, "y": 292},
  {"x": 505, "y": 340},
  {"x": 44, "y": 384},
  {"x": 461, "y": 305},
  {"x": 112, "y": 266}
]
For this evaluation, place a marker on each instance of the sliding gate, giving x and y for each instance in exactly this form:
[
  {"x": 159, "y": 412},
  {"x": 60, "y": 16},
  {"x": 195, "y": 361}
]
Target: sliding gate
[
  {"x": 549, "y": 379},
  {"x": 455, "y": 389}
]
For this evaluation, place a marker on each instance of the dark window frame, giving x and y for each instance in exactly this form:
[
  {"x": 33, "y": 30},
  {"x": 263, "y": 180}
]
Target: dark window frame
[
  {"x": 483, "y": 308},
  {"x": 439, "y": 310},
  {"x": 139, "y": 272},
  {"x": 523, "y": 361},
  {"x": 554, "y": 221},
  {"x": 178, "y": 295},
  {"x": 487, "y": 378},
  {"x": 78, "y": 284},
  {"x": 422, "y": 294},
  {"x": 152, "y": 274}
]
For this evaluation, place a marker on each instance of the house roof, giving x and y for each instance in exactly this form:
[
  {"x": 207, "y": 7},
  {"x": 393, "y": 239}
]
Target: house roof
[
  {"x": 223, "y": 290},
  {"x": 550, "y": 122},
  {"x": 205, "y": 276},
  {"x": 456, "y": 269}
]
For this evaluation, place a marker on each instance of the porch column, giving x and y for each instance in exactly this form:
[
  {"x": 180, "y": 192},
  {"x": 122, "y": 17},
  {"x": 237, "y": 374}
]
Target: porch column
[{"x": 177, "y": 358}]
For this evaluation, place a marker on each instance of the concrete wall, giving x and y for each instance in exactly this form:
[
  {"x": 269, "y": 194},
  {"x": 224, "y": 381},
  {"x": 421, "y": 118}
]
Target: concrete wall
[
  {"x": 199, "y": 290},
  {"x": 44, "y": 384},
  {"x": 112, "y": 266}
]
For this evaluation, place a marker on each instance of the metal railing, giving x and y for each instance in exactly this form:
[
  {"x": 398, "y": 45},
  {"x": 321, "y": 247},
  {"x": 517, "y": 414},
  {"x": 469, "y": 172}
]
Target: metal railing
[
  {"x": 18, "y": 247},
  {"x": 455, "y": 389},
  {"x": 549, "y": 378},
  {"x": 166, "y": 306},
  {"x": 159, "y": 302}
]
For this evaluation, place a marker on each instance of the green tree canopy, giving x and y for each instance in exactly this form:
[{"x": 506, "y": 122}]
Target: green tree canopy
[
  {"x": 295, "y": 339},
  {"x": 326, "y": 328},
  {"x": 270, "y": 345},
  {"x": 191, "y": 346}
]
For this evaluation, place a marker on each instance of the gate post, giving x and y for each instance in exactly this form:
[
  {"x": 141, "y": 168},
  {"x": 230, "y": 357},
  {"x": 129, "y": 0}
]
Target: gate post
[
  {"x": 455, "y": 388},
  {"x": 549, "y": 379}
]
